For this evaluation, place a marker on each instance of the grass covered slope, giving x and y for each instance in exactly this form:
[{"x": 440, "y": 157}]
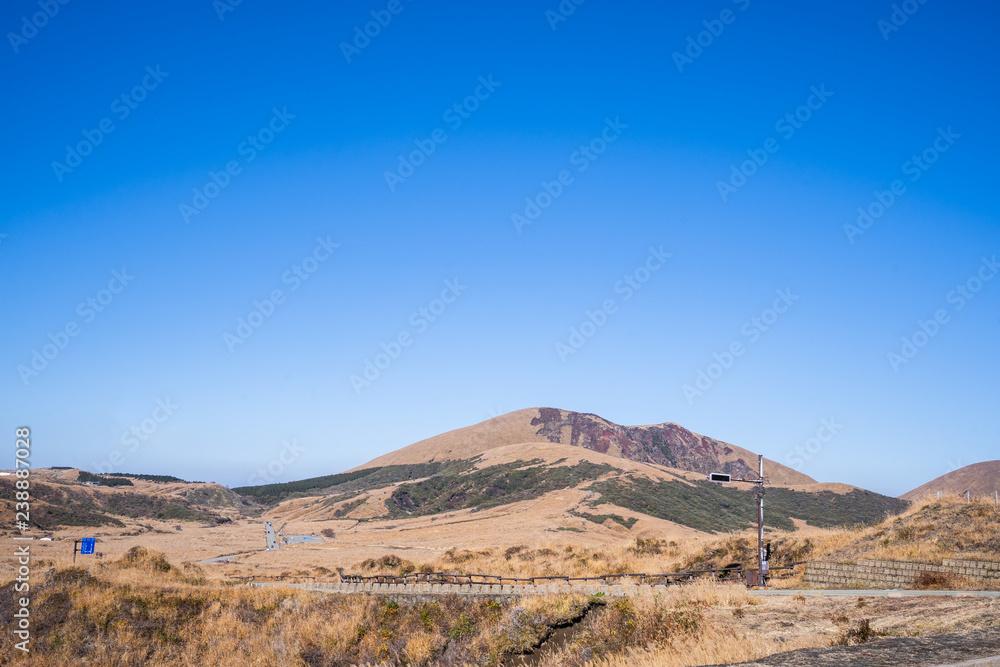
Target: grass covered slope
[
  {"x": 489, "y": 487},
  {"x": 716, "y": 508},
  {"x": 979, "y": 479},
  {"x": 698, "y": 504},
  {"x": 354, "y": 480},
  {"x": 927, "y": 532},
  {"x": 434, "y": 488},
  {"x": 57, "y": 505},
  {"x": 62, "y": 498}
]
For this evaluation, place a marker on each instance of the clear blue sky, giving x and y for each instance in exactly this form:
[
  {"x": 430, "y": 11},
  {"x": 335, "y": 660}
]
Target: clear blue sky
[{"x": 628, "y": 122}]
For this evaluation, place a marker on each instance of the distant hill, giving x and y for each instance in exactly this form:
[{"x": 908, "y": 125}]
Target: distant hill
[
  {"x": 980, "y": 479},
  {"x": 71, "y": 497},
  {"x": 665, "y": 444}
]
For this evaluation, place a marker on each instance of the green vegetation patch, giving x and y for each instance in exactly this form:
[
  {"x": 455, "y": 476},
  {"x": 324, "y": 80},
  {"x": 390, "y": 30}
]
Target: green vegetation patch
[
  {"x": 711, "y": 507},
  {"x": 349, "y": 507},
  {"x": 147, "y": 478},
  {"x": 488, "y": 487},
  {"x": 101, "y": 479},
  {"x": 601, "y": 518},
  {"x": 356, "y": 481}
]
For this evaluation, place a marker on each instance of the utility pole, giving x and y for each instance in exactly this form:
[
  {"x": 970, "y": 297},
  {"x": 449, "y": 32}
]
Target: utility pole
[
  {"x": 759, "y": 492},
  {"x": 762, "y": 564}
]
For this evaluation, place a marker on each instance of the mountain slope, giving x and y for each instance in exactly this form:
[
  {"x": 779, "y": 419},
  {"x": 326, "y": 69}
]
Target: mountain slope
[
  {"x": 979, "y": 479},
  {"x": 573, "y": 483},
  {"x": 666, "y": 444},
  {"x": 583, "y": 468}
]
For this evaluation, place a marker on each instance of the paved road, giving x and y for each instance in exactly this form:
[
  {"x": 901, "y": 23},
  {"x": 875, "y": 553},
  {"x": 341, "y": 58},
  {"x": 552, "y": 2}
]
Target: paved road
[
  {"x": 219, "y": 559},
  {"x": 971, "y": 648}
]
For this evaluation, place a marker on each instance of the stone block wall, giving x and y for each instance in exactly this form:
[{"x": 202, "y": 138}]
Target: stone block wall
[{"x": 893, "y": 574}]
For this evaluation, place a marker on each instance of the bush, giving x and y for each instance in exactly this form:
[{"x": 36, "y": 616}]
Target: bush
[
  {"x": 859, "y": 633},
  {"x": 934, "y": 581}
]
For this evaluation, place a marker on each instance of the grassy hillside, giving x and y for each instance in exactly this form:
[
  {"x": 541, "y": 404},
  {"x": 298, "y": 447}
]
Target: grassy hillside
[
  {"x": 701, "y": 505},
  {"x": 73, "y": 504},
  {"x": 979, "y": 479},
  {"x": 704, "y": 506},
  {"x": 714, "y": 507},
  {"x": 356, "y": 480},
  {"x": 488, "y": 487},
  {"x": 926, "y": 532}
]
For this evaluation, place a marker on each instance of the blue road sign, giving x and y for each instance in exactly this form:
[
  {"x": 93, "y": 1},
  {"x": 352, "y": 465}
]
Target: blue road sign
[{"x": 87, "y": 545}]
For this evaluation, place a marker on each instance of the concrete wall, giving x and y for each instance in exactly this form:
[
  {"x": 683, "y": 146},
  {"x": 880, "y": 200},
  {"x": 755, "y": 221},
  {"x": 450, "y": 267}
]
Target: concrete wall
[{"x": 894, "y": 574}]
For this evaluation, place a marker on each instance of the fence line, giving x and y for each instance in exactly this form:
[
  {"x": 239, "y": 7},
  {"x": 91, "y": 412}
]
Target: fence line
[{"x": 488, "y": 579}]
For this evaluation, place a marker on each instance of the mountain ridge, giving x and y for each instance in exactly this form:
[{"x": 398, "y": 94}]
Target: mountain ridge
[{"x": 667, "y": 444}]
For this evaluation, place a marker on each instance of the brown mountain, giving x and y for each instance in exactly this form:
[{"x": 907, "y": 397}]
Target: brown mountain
[
  {"x": 979, "y": 479},
  {"x": 665, "y": 444}
]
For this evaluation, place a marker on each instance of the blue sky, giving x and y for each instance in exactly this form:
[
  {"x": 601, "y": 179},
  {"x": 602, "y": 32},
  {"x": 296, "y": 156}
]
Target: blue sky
[{"x": 694, "y": 169}]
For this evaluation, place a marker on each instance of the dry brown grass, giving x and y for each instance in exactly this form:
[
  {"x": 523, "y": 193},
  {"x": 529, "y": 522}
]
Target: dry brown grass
[
  {"x": 713, "y": 646},
  {"x": 145, "y": 610},
  {"x": 639, "y": 556}
]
